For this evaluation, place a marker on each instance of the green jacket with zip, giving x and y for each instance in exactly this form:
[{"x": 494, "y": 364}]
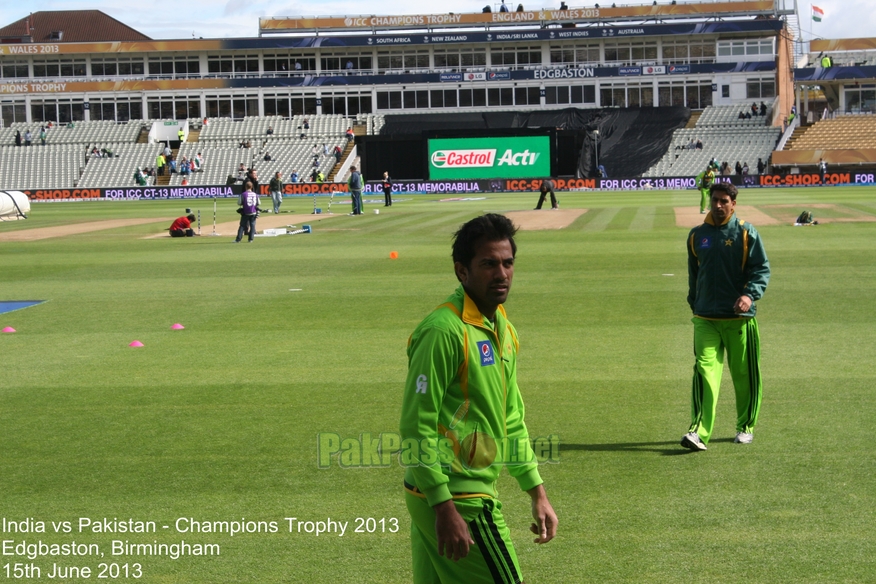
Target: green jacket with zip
[
  {"x": 462, "y": 414},
  {"x": 725, "y": 262}
]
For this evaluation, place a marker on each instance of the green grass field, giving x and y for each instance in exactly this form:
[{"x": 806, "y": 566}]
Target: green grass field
[{"x": 219, "y": 422}]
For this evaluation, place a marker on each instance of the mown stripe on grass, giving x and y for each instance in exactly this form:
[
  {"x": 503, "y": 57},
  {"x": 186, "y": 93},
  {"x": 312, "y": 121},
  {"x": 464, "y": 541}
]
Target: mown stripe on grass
[
  {"x": 623, "y": 219},
  {"x": 601, "y": 219},
  {"x": 644, "y": 219}
]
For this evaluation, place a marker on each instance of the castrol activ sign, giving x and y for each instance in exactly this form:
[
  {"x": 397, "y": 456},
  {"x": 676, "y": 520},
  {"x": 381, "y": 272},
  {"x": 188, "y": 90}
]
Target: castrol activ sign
[{"x": 476, "y": 158}]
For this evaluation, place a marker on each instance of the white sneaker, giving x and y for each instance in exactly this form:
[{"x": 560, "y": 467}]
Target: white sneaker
[
  {"x": 744, "y": 438},
  {"x": 692, "y": 441}
]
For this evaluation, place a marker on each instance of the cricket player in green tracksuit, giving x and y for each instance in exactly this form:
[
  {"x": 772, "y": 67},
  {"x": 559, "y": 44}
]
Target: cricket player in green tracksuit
[
  {"x": 728, "y": 271},
  {"x": 704, "y": 181},
  {"x": 463, "y": 420}
]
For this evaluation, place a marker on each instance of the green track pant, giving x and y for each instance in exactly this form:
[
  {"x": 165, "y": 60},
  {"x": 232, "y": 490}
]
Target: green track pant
[
  {"x": 705, "y": 200},
  {"x": 741, "y": 340},
  {"x": 492, "y": 560}
]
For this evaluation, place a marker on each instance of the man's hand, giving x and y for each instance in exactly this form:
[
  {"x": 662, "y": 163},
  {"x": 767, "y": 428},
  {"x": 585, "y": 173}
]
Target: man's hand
[
  {"x": 545, "y": 526},
  {"x": 452, "y": 531},
  {"x": 743, "y": 304}
]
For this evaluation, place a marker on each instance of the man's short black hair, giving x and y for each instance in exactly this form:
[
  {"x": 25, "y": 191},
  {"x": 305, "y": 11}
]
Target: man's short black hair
[
  {"x": 726, "y": 188},
  {"x": 190, "y": 217},
  {"x": 489, "y": 227}
]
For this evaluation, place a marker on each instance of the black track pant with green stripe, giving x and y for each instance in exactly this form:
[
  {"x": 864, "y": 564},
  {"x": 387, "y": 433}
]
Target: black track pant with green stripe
[
  {"x": 492, "y": 560},
  {"x": 741, "y": 341}
]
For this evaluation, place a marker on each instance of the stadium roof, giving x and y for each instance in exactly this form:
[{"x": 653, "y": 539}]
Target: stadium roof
[{"x": 69, "y": 26}]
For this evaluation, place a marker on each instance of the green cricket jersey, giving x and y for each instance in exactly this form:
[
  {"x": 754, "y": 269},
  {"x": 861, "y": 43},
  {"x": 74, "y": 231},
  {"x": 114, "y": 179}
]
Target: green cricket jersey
[
  {"x": 725, "y": 262},
  {"x": 462, "y": 413}
]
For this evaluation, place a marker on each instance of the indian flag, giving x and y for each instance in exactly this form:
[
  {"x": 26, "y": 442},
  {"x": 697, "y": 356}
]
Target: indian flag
[{"x": 817, "y": 13}]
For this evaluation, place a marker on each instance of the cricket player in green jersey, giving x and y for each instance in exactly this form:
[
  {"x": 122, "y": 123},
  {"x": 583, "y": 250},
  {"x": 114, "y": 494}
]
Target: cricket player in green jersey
[
  {"x": 463, "y": 410},
  {"x": 728, "y": 271}
]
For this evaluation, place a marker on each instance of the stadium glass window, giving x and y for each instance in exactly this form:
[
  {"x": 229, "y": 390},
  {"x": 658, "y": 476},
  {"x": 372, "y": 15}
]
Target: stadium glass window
[
  {"x": 479, "y": 97},
  {"x": 159, "y": 67},
  {"x": 760, "y": 88},
  {"x": 382, "y": 100},
  {"x": 437, "y": 98},
  {"x": 99, "y": 68},
  {"x": 577, "y": 94},
  {"x": 12, "y": 112},
  {"x": 46, "y": 68},
  {"x": 279, "y": 64},
  {"x": 446, "y": 60},
  {"x": 14, "y": 70},
  {"x": 465, "y": 97},
  {"x": 449, "y": 98},
  {"x": 560, "y": 55},
  {"x": 395, "y": 100}
]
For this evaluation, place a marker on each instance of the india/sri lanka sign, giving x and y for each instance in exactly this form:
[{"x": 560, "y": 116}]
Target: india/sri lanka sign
[{"x": 476, "y": 158}]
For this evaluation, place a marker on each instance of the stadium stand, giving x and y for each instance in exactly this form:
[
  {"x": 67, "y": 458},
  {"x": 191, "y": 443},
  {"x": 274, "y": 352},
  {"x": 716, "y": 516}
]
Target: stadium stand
[
  {"x": 724, "y": 138},
  {"x": 840, "y": 133}
]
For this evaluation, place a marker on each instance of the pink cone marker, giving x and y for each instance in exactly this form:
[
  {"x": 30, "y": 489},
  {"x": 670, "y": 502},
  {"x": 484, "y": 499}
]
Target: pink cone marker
[
  {"x": 136, "y": 344},
  {"x": 9, "y": 329},
  {"x": 177, "y": 327}
]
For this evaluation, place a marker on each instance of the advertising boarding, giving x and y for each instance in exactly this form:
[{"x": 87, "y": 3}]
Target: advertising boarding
[{"x": 486, "y": 158}]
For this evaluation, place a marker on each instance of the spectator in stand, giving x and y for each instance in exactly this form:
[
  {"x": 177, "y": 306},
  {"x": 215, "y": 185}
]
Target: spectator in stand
[
  {"x": 204, "y": 123},
  {"x": 171, "y": 162},
  {"x": 325, "y": 150},
  {"x": 313, "y": 175},
  {"x": 754, "y": 108},
  {"x": 167, "y": 150},
  {"x": 306, "y": 124},
  {"x": 349, "y": 134},
  {"x": 297, "y": 66},
  {"x": 27, "y": 137},
  {"x": 738, "y": 168},
  {"x": 741, "y": 116},
  {"x": 17, "y": 138},
  {"x": 184, "y": 166},
  {"x": 744, "y": 169},
  {"x": 822, "y": 168},
  {"x": 725, "y": 169},
  {"x": 503, "y": 7},
  {"x": 160, "y": 163},
  {"x": 691, "y": 145},
  {"x": 231, "y": 180},
  {"x": 267, "y": 157},
  {"x": 294, "y": 176},
  {"x": 139, "y": 177},
  {"x": 198, "y": 163},
  {"x": 270, "y": 131},
  {"x": 349, "y": 66},
  {"x": 43, "y": 135},
  {"x": 763, "y": 108},
  {"x": 338, "y": 152},
  {"x": 747, "y": 115},
  {"x": 241, "y": 172},
  {"x": 699, "y": 144},
  {"x": 320, "y": 178},
  {"x": 760, "y": 166}
]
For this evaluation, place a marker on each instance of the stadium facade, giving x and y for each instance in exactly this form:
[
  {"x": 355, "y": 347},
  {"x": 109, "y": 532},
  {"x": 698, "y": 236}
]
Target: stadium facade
[{"x": 685, "y": 54}]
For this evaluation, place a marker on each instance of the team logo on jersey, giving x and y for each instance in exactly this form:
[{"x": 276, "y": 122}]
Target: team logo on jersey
[
  {"x": 485, "y": 348},
  {"x": 728, "y": 243},
  {"x": 422, "y": 384},
  {"x": 706, "y": 243}
]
